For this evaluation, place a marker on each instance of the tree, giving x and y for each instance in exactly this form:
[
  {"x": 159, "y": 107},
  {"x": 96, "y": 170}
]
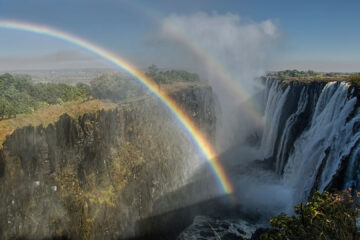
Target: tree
[
  {"x": 354, "y": 79},
  {"x": 324, "y": 216},
  {"x": 4, "y": 106},
  {"x": 152, "y": 71},
  {"x": 85, "y": 90},
  {"x": 19, "y": 95},
  {"x": 170, "y": 76},
  {"x": 115, "y": 86}
]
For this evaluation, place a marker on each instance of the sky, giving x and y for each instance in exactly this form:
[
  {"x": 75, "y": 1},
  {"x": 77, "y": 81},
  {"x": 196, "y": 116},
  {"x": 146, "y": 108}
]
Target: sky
[{"x": 318, "y": 35}]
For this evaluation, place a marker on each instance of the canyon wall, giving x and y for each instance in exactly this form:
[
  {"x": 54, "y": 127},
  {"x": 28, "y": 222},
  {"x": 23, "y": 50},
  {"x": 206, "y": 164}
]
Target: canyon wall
[{"x": 95, "y": 176}]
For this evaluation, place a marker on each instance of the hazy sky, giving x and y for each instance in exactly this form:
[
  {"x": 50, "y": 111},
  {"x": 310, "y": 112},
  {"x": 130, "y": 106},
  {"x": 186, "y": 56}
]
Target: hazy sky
[{"x": 321, "y": 35}]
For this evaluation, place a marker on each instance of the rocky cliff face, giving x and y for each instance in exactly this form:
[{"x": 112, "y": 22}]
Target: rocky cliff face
[
  {"x": 93, "y": 177},
  {"x": 312, "y": 135}
]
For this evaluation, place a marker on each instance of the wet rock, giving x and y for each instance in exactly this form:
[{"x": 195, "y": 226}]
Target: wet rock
[
  {"x": 213, "y": 229},
  {"x": 94, "y": 176}
]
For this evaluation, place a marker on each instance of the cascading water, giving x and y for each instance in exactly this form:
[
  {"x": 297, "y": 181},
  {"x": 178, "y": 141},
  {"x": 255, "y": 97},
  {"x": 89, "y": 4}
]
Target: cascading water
[
  {"x": 275, "y": 100},
  {"x": 284, "y": 141},
  {"x": 316, "y": 144}
]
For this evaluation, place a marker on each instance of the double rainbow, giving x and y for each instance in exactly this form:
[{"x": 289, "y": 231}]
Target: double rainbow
[{"x": 182, "y": 117}]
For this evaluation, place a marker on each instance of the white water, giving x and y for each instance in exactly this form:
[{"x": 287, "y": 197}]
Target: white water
[
  {"x": 280, "y": 160},
  {"x": 275, "y": 101},
  {"x": 330, "y": 138}
]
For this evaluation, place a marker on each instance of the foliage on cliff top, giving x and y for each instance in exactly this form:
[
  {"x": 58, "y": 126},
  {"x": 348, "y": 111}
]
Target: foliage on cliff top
[
  {"x": 19, "y": 95},
  {"x": 119, "y": 87},
  {"x": 171, "y": 76},
  {"x": 324, "y": 216},
  {"x": 116, "y": 87},
  {"x": 354, "y": 79},
  {"x": 50, "y": 114},
  {"x": 308, "y": 76}
]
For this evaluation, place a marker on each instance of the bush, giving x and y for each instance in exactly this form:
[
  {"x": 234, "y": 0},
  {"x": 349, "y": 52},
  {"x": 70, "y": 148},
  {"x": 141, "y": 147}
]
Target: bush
[
  {"x": 171, "y": 76},
  {"x": 19, "y": 95},
  {"x": 116, "y": 87},
  {"x": 354, "y": 79},
  {"x": 324, "y": 216},
  {"x": 52, "y": 92},
  {"x": 294, "y": 73}
]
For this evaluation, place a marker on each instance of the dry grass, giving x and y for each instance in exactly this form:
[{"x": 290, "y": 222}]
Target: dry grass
[
  {"x": 50, "y": 114},
  {"x": 173, "y": 87}
]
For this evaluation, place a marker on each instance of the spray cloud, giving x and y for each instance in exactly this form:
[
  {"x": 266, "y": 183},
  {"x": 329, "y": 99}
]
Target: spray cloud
[{"x": 230, "y": 53}]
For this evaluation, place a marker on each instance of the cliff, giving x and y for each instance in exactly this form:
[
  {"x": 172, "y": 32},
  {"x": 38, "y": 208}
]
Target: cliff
[
  {"x": 92, "y": 175},
  {"x": 50, "y": 114},
  {"x": 311, "y": 138}
]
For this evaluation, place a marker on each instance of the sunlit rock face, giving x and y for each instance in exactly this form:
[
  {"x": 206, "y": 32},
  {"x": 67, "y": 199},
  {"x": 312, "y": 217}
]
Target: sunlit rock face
[
  {"x": 93, "y": 177},
  {"x": 312, "y": 136}
]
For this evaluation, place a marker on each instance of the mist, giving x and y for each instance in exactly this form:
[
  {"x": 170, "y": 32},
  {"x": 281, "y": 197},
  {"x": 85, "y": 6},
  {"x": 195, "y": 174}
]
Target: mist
[{"x": 230, "y": 53}]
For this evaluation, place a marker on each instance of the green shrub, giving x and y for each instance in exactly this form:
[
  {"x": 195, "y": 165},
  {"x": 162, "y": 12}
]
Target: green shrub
[
  {"x": 116, "y": 87},
  {"x": 294, "y": 74},
  {"x": 19, "y": 95},
  {"x": 324, "y": 216},
  {"x": 354, "y": 79},
  {"x": 171, "y": 76}
]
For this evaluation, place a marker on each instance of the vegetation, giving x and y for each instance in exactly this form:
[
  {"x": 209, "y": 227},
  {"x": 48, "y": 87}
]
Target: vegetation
[
  {"x": 19, "y": 95},
  {"x": 51, "y": 114},
  {"x": 115, "y": 86},
  {"x": 171, "y": 76},
  {"x": 294, "y": 73},
  {"x": 308, "y": 75},
  {"x": 324, "y": 216},
  {"x": 354, "y": 79}
]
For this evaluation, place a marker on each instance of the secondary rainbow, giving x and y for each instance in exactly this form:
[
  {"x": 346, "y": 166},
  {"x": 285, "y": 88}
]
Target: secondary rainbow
[
  {"x": 221, "y": 72},
  {"x": 235, "y": 89},
  {"x": 183, "y": 118}
]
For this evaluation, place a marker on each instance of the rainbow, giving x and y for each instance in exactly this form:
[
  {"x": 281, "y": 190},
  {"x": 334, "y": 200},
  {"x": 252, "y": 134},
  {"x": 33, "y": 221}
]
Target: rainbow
[
  {"x": 223, "y": 74},
  {"x": 182, "y": 117},
  {"x": 230, "y": 82}
]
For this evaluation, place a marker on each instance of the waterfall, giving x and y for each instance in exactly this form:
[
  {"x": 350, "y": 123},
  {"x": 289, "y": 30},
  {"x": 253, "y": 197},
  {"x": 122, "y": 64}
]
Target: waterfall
[
  {"x": 319, "y": 142},
  {"x": 283, "y": 146},
  {"x": 276, "y": 100}
]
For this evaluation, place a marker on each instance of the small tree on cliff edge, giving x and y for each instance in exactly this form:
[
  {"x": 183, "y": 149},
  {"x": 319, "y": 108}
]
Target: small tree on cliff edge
[
  {"x": 325, "y": 216},
  {"x": 354, "y": 79},
  {"x": 152, "y": 72}
]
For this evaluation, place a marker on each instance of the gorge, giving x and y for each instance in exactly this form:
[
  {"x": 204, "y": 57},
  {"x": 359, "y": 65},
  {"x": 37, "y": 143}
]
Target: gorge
[
  {"x": 94, "y": 176},
  {"x": 127, "y": 171},
  {"x": 310, "y": 142}
]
